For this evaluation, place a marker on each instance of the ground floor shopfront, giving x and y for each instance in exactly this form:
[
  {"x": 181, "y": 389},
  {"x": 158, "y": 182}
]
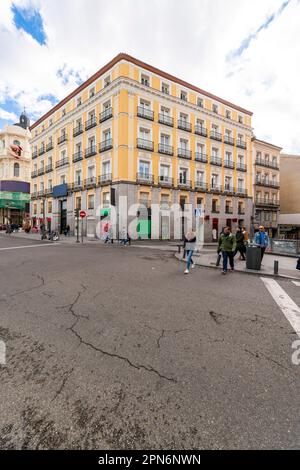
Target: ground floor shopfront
[
  {"x": 155, "y": 212},
  {"x": 14, "y": 202}
]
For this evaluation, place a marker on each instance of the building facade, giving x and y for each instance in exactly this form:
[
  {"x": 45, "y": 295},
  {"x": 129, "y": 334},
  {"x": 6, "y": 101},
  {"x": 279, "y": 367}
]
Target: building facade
[
  {"x": 266, "y": 159},
  {"x": 289, "y": 220},
  {"x": 15, "y": 163},
  {"x": 149, "y": 136}
]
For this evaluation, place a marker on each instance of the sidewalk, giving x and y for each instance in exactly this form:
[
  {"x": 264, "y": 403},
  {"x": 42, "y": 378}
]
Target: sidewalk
[
  {"x": 287, "y": 265},
  {"x": 37, "y": 237}
]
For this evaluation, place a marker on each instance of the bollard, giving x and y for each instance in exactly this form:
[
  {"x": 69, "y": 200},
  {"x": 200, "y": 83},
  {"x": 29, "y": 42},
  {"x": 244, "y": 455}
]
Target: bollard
[{"x": 276, "y": 266}]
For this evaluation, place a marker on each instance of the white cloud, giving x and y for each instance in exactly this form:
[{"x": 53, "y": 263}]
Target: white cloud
[
  {"x": 7, "y": 116},
  {"x": 191, "y": 40}
]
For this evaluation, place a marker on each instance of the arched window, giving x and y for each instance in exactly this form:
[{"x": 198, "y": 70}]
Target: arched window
[
  {"x": 17, "y": 142},
  {"x": 16, "y": 169}
]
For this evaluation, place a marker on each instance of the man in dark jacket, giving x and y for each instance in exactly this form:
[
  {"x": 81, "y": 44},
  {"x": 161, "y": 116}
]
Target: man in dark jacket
[
  {"x": 240, "y": 243},
  {"x": 227, "y": 244}
]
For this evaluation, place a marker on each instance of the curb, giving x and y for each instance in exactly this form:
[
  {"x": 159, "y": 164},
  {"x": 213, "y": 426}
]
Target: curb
[{"x": 248, "y": 271}]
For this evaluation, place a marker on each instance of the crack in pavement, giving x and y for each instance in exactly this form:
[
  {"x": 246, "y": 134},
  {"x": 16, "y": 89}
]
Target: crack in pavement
[
  {"x": 31, "y": 289},
  {"x": 67, "y": 376},
  {"x": 72, "y": 305},
  {"x": 259, "y": 355},
  {"x": 161, "y": 337}
]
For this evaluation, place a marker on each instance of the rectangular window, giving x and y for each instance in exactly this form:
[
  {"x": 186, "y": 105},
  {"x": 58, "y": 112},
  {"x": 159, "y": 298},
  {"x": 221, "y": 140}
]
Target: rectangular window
[
  {"x": 92, "y": 92},
  {"x": 183, "y": 174},
  {"x": 91, "y": 201},
  {"x": 107, "y": 81},
  {"x": 215, "y": 108},
  {"x": 200, "y": 102},
  {"x": 49, "y": 207},
  {"x": 145, "y": 80},
  {"x": 106, "y": 168},
  {"x": 214, "y": 180},
  {"x": 144, "y": 168},
  {"x": 240, "y": 184},
  {"x": 228, "y": 114},
  {"x": 63, "y": 179},
  {"x": 79, "y": 101},
  {"x": 164, "y": 172},
  {"x": 240, "y": 119},
  {"x": 78, "y": 203},
  {"x": 183, "y": 95},
  {"x": 165, "y": 88},
  {"x": 78, "y": 176}
]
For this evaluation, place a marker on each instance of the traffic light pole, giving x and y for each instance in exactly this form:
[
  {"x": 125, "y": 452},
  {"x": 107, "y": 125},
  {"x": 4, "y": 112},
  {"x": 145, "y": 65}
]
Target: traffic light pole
[{"x": 77, "y": 224}]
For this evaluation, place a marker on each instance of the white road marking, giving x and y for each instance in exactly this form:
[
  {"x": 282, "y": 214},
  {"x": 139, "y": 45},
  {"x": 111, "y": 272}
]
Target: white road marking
[
  {"x": 286, "y": 304},
  {"x": 296, "y": 283},
  {"x": 28, "y": 246}
]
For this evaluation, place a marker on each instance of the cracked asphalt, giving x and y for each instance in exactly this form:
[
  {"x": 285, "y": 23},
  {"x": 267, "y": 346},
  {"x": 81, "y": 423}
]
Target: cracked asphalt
[{"x": 114, "y": 348}]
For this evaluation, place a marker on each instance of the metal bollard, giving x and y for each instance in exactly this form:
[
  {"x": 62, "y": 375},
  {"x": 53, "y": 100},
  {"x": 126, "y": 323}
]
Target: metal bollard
[{"x": 276, "y": 266}]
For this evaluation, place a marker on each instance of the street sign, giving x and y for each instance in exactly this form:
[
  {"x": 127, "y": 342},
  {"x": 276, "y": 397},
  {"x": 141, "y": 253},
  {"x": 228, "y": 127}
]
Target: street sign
[{"x": 82, "y": 214}]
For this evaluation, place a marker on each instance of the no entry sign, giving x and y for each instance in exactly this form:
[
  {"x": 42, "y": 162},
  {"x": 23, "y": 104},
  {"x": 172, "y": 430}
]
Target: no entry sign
[{"x": 82, "y": 214}]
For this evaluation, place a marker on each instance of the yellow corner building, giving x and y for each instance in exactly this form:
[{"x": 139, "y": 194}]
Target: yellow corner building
[{"x": 149, "y": 136}]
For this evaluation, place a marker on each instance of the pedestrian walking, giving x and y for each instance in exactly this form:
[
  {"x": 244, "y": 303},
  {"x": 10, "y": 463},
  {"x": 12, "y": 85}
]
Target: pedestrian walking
[
  {"x": 261, "y": 239},
  {"x": 246, "y": 236},
  {"x": 240, "y": 245},
  {"x": 227, "y": 245},
  {"x": 190, "y": 245},
  {"x": 124, "y": 237}
]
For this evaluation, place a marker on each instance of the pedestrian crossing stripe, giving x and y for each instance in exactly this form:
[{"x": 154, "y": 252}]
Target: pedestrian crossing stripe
[{"x": 297, "y": 283}]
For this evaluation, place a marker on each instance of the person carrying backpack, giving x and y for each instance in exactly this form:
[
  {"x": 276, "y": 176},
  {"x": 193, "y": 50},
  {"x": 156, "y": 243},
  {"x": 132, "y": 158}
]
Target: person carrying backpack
[{"x": 227, "y": 245}]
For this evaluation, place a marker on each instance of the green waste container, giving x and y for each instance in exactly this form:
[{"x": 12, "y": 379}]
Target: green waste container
[{"x": 253, "y": 257}]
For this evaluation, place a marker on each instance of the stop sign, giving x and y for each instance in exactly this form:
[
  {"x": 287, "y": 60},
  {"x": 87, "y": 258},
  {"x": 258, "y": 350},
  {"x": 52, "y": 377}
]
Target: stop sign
[{"x": 82, "y": 214}]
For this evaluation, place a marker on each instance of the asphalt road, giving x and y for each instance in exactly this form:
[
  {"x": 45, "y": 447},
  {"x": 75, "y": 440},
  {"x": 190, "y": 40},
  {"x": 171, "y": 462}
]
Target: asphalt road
[{"x": 114, "y": 348}]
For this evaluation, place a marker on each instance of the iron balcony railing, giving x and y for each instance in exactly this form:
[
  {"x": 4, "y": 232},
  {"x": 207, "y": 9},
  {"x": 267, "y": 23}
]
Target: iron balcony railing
[
  {"x": 241, "y": 167},
  {"x": 201, "y": 157},
  {"x": 41, "y": 150},
  {"x": 105, "y": 179},
  {"x": 266, "y": 202},
  {"x": 200, "y": 130},
  {"x": 228, "y": 140},
  {"x": 215, "y": 161},
  {"x": 145, "y": 178},
  {"x": 105, "y": 145},
  {"x": 62, "y": 162},
  {"x": 241, "y": 192},
  {"x": 77, "y": 130},
  {"x": 165, "y": 149},
  {"x": 216, "y": 135},
  {"x": 241, "y": 211},
  {"x": 49, "y": 146},
  {"x": 41, "y": 171},
  {"x": 228, "y": 210},
  {"x": 266, "y": 164},
  {"x": 184, "y": 183},
  {"x": 48, "y": 168},
  {"x": 165, "y": 181},
  {"x": 34, "y": 154},
  {"x": 145, "y": 144},
  {"x": 215, "y": 209},
  {"x": 184, "y": 153},
  {"x": 34, "y": 174},
  {"x": 34, "y": 195},
  {"x": 41, "y": 193},
  {"x": 48, "y": 191},
  {"x": 201, "y": 186},
  {"x": 90, "y": 151},
  {"x": 90, "y": 123},
  {"x": 145, "y": 113},
  {"x": 241, "y": 144},
  {"x": 76, "y": 186},
  {"x": 184, "y": 125},
  {"x": 165, "y": 119},
  {"x": 216, "y": 188},
  {"x": 77, "y": 156},
  {"x": 229, "y": 164},
  {"x": 267, "y": 184},
  {"x": 106, "y": 114},
  {"x": 63, "y": 138},
  {"x": 90, "y": 182},
  {"x": 229, "y": 189}
]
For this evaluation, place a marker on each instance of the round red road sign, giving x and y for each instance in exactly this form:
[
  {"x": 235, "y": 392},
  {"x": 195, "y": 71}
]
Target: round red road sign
[{"x": 82, "y": 214}]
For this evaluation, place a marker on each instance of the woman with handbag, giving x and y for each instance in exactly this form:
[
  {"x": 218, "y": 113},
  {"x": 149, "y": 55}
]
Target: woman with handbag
[{"x": 190, "y": 245}]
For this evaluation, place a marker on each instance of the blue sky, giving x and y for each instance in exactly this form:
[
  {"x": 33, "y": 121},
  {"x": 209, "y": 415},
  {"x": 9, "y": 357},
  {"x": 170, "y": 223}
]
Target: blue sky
[{"x": 241, "y": 50}]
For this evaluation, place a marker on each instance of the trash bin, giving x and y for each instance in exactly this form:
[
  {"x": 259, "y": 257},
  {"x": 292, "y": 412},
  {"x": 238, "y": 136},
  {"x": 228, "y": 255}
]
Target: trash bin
[{"x": 253, "y": 257}]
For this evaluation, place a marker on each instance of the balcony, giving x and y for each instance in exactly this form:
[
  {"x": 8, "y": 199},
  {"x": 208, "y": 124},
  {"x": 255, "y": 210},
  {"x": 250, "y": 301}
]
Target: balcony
[
  {"x": 259, "y": 201},
  {"x": 90, "y": 123},
  {"x": 228, "y": 210},
  {"x": 144, "y": 178},
  {"x": 145, "y": 144},
  {"x": 241, "y": 192},
  {"x": 41, "y": 193},
  {"x": 90, "y": 151},
  {"x": 228, "y": 140},
  {"x": 106, "y": 114},
  {"x": 241, "y": 167},
  {"x": 216, "y": 135},
  {"x": 215, "y": 188},
  {"x": 48, "y": 191},
  {"x": 145, "y": 113},
  {"x": 266, "y": 164},
  {"x": 165, "y": 119},
  {"x": 49, "y": 146},
  {"x": 241, "y": 211},
  {"x": 34, "y": 195},
  {"x": 215, "y": 161},
  {"x": 241, "y": 144},
  {"x": 63, "y": 138},
  {"x": 48, "y": 168},
  {"x": 42, "y": 150},
  {"x": 184, "y": 184},
  {"x": 34, "y": 154},
  {"x": 229, "y": 164},
  {"x": 165, "y": 149},
  {"x": 105, "y": 179},
  {"x": 201, "y": 157},
  {"x": 200, "y": 130},
  {"x": 34, "y": 174},
  {"x": 62, "y": 162},
  {"x": 41, "y": 171},
  {"x": 267, "y": 184},
  {"x": 201, "y": 186},
  {"x": 184, "y": 125},
  {"x": 105, "y": 145},
  {"x": 77, "y": 157},
  {"x": 77, "y": 186},
  {"x": 215, "y": 210},
  {"x": 165, "y": 181},
  {"x": 229, "y": 189},
  {"x": 184, "y": 153},
  {"x": 90, "y": 182},
  {"x": 77, "y": 130}
]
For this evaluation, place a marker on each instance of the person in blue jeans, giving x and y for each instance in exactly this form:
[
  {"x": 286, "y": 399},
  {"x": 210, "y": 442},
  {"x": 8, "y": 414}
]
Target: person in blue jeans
[
  {"x": 190, "y": 245},
  {"x": 262, "y": 240},
  {"x": 227, "y": 244}
]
